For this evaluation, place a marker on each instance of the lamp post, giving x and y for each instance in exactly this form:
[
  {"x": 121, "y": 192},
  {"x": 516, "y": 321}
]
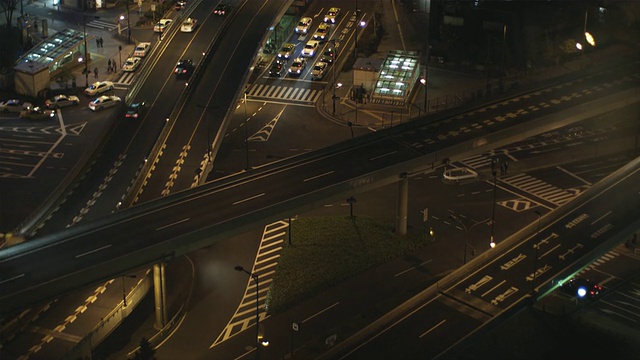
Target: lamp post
[
  {"x": 358, "y": 23},
  {"x": 494, "y": 172},
  {"x": 256, "y": 280},
  {"x": 535, "y": 256},
  {"x": 466, "y": 229},
  {"x": 86, "y": 47},
  {"x": 424, "y": 82},
  {"x": 504, "y": 45},
  {"x": 246, "y": 132},
  {"x": 124, "y": 292},
  {"x": 128, "y": 24},
  {"x": 335, "y": 60}
]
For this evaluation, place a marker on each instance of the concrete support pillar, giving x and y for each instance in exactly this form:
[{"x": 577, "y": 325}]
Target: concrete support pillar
[
  {"x": 160, "y": 295},
  {"x": 403, "y": 204}
]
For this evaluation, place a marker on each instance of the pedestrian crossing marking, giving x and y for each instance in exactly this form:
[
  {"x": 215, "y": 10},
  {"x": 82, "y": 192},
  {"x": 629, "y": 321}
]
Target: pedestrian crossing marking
[
  {"x": 539, "y": 188},
  {"x": 266, "y": 259},
  {"x": 282, "y": 92},
  {"x": 104, "y": 25},
  {"x": 125, "y": 78},
  {"x": 518, "y": 205}
]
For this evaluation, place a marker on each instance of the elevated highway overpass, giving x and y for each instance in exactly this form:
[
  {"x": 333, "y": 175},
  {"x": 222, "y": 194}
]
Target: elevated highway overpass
[{"x": 162, "y": 229}]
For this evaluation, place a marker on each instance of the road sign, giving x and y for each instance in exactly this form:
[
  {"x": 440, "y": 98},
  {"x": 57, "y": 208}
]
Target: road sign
[{"x": 294, "y": 326}]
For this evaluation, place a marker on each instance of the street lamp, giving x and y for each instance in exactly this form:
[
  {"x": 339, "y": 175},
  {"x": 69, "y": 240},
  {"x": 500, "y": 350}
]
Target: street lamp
[
  {"x": 494, "y": 172},
  {"x": 246, "y": 132},
  {"x": 335, "y": 60},
  {"x": 256, "y": 280},
  {"x": 466, "y": 235},
  {"x": 124, "y": 292},
  {"x": 86, "y": 47},
  {"x": 128, "y": 24},
  {"x": 424, "y": 82},
  {"x": 536, "y": 246}
]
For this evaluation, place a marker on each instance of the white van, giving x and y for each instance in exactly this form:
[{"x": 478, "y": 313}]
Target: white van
[{"x": 142, "y": 49}]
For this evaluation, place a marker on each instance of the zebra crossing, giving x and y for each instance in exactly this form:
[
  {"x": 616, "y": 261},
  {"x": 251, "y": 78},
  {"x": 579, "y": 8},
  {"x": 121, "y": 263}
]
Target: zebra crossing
[
  {"x": 125, "y": 78},
  {"x": 539, "y": 188},
  {"x": 264, "y": 267},
  {"x": 282, "y": 92},
  {"x": 477, "y": 161},
  {"x": 103, "y": 25}
]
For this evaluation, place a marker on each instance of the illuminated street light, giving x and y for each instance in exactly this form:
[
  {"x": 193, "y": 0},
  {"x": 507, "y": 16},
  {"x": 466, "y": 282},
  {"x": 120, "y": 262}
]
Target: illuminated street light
[{"x": 256, "y": 280}]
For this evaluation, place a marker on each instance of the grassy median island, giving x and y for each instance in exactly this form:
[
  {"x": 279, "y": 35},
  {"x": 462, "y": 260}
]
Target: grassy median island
[{"x": 328, "y": 250}]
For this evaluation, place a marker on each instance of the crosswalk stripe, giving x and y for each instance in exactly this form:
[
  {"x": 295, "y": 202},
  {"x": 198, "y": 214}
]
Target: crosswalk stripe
[
  {"x": 284, "y": 92},
  {"x": 99, "y": 24}
]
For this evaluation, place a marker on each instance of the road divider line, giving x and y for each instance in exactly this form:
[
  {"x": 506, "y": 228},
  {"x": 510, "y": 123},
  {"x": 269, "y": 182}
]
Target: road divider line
[
  {"x": 12, "y": 278},
  {"x": 175, "y": 223},
  {"x": 318, "y": 176},
  {"x": 320, "y": 312},
  {"x": 433, "y": 328},
  {"x": 383, "y": 155},
  {"x": 247, "y": 199},
  {"x": 93, "y": 251}
]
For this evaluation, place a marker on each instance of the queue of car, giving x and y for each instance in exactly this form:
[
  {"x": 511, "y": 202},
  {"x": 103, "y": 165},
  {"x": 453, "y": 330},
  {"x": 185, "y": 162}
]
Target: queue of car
[{"x": 310, "y": 49}]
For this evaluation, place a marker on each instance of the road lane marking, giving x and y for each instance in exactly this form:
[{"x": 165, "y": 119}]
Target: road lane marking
[
  {"x": 383, "y": 155},
  {"x": 318, "y": 176},
  {"x": 320, "y": 312},
  {"x": 175, "y": 223},
  {"x": 92, "y": 251},
  {"x": 601, "y": 217},
  {"x": 493, "y": 288},
  {"x": 412, "y": 268},
  {"x": 573, "y": 175},
  {"x": 433, "y": 328},
  {"x": 247, "y": 199},
  {"x": 12, "y": 278}
]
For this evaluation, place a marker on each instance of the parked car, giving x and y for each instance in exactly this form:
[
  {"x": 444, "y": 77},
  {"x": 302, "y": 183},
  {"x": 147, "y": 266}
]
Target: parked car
[
  {"x": 287, "y": 50},
  {"x": 142, "y": 49},
  {"x": 37, "y": 113},
  {"x": 317, "y": 73},
  {"x": 61, "y": 100},
  {"x": 136, "y": 110},
  {"x": 162, "y": 25},
  {"x": 103, "y": 102},
  {"x": 98, "y": 88},
  {"x": 189, "y": 25},
  {"x": 458, "y": 174},
  {"x": 221, "y": 9},
  {"x": 332, "y": 14},
  {"x": 14, "y": 105},
  {"x": 131, "y": 64},
  {"x": 303, "y": 25}
]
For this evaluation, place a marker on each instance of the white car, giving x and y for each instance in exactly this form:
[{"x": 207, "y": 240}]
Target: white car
[
  {"x": 322, "y": 32},
  {"x": 189, "y": 25},
  {"x": 103, "y": 102},
  {"x": 458, "y": 174},
  {"x": 162, "y": 25},
  {"x": 318, "y": 70},
  {"x": 60, "y": 101},
  {"x": 303, "y": 25},
  {"x": 310, "y": 48},
  {"x": 131, "y": 64},
  {"x": 142, "y": 49},
  {"x": 14, "y": 105},
  {"x": 332, "y": 14},
  {"x": 98, "y": 88},
  {"x": 286, "y": 51}
]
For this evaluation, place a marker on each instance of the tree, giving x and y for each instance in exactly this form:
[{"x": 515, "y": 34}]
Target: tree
[
  {"x": 9, "y": 6},
  {"x": 145, "y": 352}
]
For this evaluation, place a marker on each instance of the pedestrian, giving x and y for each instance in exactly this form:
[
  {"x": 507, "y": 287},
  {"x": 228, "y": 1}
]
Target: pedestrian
[
  {"x": 113, "y": 63},
  {"x": 97, "y": 42},
  {"x": 101, "y": 42},
  {"x": 109, "y": 66},
  {"x": 95, "y": 71}
]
